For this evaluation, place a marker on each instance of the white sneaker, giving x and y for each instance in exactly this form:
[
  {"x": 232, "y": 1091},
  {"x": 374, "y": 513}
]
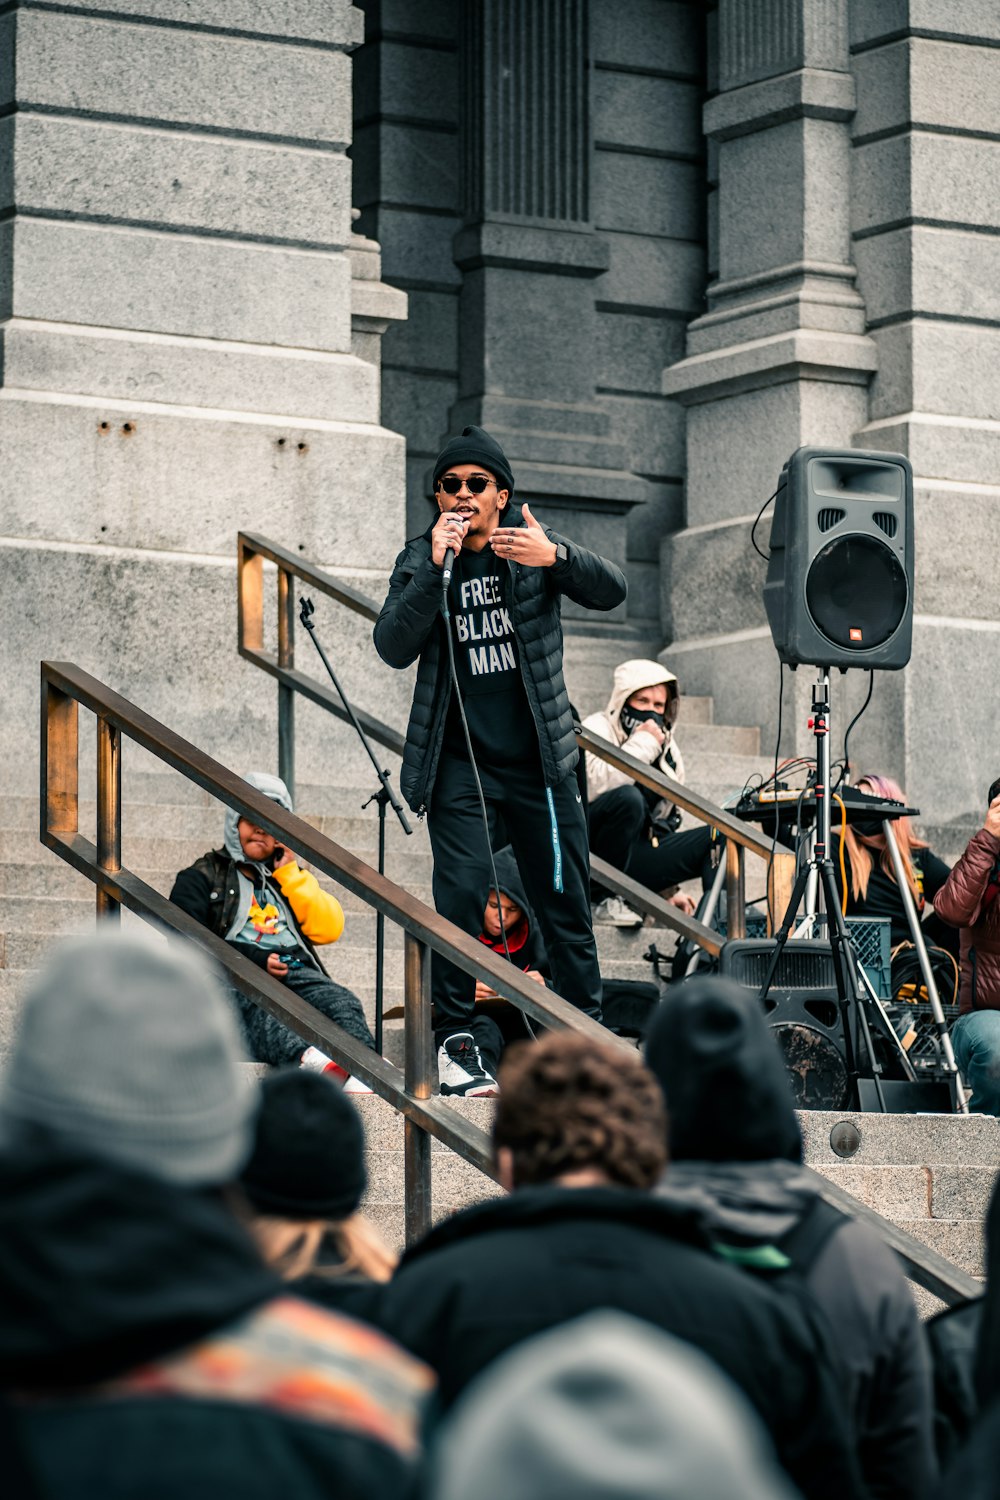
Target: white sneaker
[
  {"x": 460, "y": 1068},
  {"x": 354, "y": 1085},
  {"x": 613, "y": 912}
]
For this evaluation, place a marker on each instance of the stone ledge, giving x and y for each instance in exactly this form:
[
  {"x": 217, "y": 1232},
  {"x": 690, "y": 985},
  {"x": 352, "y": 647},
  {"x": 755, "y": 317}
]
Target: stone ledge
[
  {"x": 336, "y": 25},
  {"x": 809, "y": 93},
  {"x": 806, "y": 354},
  {"x": 527, "y": 247}
]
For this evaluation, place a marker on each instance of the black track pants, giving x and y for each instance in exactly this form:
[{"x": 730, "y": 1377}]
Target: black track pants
[
  {"x": 462, "y": 876},
  {"x": 618, "y": 821}
]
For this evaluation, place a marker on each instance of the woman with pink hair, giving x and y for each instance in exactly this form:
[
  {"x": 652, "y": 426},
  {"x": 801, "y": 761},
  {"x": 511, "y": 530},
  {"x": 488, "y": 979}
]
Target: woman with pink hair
[{"x": 865, "y": 867}]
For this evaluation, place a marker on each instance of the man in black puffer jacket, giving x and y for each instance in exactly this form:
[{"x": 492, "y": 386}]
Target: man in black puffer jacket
[{"x": 501, "y": 616}]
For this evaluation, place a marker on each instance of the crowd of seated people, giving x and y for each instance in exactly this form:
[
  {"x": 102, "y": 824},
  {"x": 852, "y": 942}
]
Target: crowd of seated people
[{"x": 191, "y": 1302}]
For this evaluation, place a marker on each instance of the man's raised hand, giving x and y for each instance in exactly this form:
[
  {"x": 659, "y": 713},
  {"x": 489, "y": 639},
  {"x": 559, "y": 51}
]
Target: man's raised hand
[{"x": 527, "y": 545}]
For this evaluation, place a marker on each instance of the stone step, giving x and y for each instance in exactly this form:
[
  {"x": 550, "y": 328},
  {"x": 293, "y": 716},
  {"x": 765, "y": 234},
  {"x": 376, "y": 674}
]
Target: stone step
[
  {"x": 37, "y": 924},
  {"x": 405, "y": 860},
  {"x": 903, "y": 1140},
  {"x": 940, "y": 1192},
  {"x": 941, "y": 1206}
]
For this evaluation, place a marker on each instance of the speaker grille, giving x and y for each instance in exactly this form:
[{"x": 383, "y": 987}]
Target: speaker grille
[
  {"x": 886, "y": 521},
  {"x": 800, "y": 967},
  {"x": 856, "y": 592},
  {"x": 829, "y": 517}
]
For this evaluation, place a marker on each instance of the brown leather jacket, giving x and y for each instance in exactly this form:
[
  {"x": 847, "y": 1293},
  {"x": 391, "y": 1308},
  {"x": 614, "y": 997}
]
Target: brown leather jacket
[{"x": 960, "y": 903}]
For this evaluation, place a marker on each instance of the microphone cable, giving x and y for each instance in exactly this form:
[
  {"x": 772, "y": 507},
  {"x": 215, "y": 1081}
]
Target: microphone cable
[{"x": 456, "y": 689}]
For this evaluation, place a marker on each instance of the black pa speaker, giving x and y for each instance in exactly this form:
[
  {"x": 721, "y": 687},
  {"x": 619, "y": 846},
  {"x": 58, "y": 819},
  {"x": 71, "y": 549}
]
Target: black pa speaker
[
  {"x": 839, "y": 589},
  {"x": 802, "y": 1012}
]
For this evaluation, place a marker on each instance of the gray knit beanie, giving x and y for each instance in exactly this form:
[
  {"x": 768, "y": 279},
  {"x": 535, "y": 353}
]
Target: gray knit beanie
[{"x": 127, "y": 1048}]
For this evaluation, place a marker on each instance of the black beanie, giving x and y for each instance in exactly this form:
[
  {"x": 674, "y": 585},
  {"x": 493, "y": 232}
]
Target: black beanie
[
  {"x": 728, "y": 1096},
  {"x": 308, "y": 1161},
  {"x": 475, "y": 447}
]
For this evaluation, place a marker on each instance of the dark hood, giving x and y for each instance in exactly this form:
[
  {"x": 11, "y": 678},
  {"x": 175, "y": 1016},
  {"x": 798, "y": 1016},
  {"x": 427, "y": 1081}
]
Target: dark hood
[
  {"x": 511, "y": 885},
  {"x": 728, "y": 1097},
  {"x": 103, "y": 1268},
  {"x": 533, "y": 1207}
]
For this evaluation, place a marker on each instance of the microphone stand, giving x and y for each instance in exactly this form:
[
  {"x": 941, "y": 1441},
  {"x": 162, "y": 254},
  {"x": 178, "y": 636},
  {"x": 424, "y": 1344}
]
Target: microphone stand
[{"x": 384, "y": 797}]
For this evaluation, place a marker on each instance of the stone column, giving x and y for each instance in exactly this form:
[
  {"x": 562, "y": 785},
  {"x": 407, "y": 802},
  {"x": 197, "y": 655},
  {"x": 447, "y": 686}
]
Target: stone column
[
  {"x": 179, "y": 308},
  {"x": 926, "y": 221},
  {"x": 782, "y": 356},
  {"x": 529, "y": 257}
]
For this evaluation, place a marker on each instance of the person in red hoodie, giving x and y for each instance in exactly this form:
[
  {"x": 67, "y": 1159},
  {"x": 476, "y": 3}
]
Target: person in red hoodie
[
  {"x": 497, "y": 1022},
  {"x": 968, "y": 900}
]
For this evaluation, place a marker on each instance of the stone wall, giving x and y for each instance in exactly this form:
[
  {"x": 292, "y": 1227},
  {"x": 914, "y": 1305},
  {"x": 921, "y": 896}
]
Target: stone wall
[
  {"x": 189, "y": 347},
  {"x": 855, "y": 304},
  {"x": 566, "y": 240}
]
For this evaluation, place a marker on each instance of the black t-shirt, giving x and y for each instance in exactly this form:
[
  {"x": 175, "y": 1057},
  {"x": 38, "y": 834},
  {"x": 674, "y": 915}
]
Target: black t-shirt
[
  {"x": 488, "y": 665},
  {"x": 883, "y": 898}
]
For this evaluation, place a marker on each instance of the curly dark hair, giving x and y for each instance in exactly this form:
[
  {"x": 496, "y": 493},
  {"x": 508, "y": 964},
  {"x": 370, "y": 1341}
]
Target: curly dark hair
[{"x": 568, "y": 1103}]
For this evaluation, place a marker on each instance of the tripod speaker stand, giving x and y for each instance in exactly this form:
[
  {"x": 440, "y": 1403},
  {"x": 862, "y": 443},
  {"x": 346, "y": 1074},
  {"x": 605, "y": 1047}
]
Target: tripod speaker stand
[{"x": 859, "y": 1007}]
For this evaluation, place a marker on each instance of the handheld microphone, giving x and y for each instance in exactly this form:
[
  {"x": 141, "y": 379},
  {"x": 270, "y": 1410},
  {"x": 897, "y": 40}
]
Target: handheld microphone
[{"x": 449, "y": 559}]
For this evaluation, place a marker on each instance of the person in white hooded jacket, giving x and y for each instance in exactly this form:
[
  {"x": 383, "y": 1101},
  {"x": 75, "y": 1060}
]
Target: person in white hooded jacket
[{"x": 631, "y": 827}]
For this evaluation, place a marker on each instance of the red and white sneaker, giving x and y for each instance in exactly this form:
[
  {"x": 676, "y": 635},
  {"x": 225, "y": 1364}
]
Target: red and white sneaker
[{"x": 318, "y": 1062}]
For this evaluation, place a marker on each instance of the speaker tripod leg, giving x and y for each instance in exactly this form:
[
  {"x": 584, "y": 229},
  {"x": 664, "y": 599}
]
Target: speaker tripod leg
[
  {"x": 781, "y": 936},
  {"x": 850, "y": 991}
]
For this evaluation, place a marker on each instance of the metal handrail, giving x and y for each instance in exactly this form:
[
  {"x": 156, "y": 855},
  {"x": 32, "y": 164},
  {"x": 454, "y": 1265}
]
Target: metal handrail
[
  {"x": 925, "y": 1266},
  {"x": 65, "y": 688},
  {"x": 253, "y": 550}
]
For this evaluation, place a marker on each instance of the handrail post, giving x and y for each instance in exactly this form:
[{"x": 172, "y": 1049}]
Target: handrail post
[
  {"x": 736, "y": 920},
  {"x": 109, "y": 812},
  {"x": 286, "y": 695},
  {"x": 250, "y": 598},
  {"x": 59, "y": 791},
  {"x": 418, "y": 1067}
]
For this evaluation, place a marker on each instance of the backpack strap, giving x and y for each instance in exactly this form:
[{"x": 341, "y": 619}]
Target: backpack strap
[{"x": 804, "y": 1241}]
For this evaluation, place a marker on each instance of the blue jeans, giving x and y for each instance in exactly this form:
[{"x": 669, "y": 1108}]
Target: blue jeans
[{"x": 975, "y": 1037}]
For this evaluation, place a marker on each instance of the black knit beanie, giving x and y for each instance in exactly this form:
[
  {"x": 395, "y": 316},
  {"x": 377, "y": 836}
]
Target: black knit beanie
[
  {"x": 308, "y": 1161},
  {"x": 475, "y": 447},
  {"x": 720, "y": 1068}
]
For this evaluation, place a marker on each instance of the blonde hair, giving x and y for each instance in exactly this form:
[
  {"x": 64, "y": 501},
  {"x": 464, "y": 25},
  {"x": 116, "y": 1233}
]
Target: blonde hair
[
  {"x": 862, "y": 848},
  {"x": 291, "y": 1247}
]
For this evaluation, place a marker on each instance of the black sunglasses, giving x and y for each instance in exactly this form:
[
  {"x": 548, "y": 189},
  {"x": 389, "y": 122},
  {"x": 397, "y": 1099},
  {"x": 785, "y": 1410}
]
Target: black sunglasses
[{"x": 476, "y": 483}]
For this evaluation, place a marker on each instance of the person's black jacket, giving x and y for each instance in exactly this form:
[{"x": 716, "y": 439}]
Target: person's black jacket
[
  {"x": 410, "y": 626},
  {"x": 734, "y": 1154},
  {"x": 951, "y": 1337},
  {"x": 502, "y": 1271},
  {"x": 975, "y": 1472},
  {"x": 209, "y": 891},
  {"x": 145, "y": 1350}
]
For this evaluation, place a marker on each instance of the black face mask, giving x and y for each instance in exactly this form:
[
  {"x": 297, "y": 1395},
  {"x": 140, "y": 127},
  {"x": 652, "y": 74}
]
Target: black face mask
[
  {"x": 631, "y": 718},
  {"x": 869, "y": 828}
]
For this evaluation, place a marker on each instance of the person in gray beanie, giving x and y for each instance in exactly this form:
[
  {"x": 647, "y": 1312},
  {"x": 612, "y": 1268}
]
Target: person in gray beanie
[
  {"x": 145, "y": 1348},
  {"x": 490, "y": 694},
  {"x": 127, "y": 1048},
  {"x": 605, "y": 1408}
]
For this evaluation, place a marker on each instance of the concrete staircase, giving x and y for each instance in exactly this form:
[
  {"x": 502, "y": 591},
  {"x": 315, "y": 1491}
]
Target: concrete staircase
[{"x": 932, "y": 1175}]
